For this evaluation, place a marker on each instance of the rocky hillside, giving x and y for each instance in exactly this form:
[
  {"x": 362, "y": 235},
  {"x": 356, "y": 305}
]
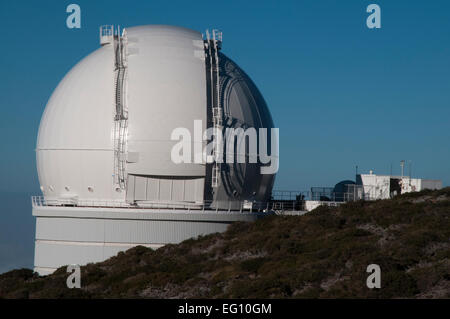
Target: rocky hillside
[{"x": 323, "y": 254}]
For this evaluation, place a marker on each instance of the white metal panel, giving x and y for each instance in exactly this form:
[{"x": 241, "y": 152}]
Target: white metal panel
[
  {"x": 70, "y": 229},
  {"x": 376, "y": 186},
  {"x": 140, "y": 188},
  {"x": 86, "y": 174},
  {"x": 431, "y": 184},
  {"x": 75, "y": 146},
  {"x": 80, "y": 110},
  {"x": 166, "y": 90},
  {"x": 54, "y": 255}
]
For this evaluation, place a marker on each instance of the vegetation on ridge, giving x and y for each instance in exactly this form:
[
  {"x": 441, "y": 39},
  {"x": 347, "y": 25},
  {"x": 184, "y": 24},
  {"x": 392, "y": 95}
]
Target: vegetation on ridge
[{"x": 323, "y": 254}]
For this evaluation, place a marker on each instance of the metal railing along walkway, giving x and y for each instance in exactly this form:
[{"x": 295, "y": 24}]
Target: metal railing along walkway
[{"x": 235, "y": 206}]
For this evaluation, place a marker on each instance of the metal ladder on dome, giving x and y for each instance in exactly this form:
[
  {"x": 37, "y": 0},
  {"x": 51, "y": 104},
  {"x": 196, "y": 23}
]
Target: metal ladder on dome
[
  {"x": 212, "y": 47},
  {"x": 121, "y": 116}
]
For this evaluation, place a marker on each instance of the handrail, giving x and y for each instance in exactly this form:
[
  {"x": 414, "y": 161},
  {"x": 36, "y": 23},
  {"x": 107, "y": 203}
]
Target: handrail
[
  {"x": 244, "y": 206},
  {"x": 281, "y": 201},
  {"x": 356, "y": 192},
  {"x": 106, "y": 34}
]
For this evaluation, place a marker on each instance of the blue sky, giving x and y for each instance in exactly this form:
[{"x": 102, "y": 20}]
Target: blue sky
[{"x": 341, "y": 94}]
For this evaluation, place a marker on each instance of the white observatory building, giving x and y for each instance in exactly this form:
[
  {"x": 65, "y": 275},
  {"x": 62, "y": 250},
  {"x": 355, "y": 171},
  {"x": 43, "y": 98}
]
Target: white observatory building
[{"x": 104, "y": 147}]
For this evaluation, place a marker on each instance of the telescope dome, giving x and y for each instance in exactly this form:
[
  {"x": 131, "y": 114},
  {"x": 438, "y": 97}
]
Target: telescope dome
[{"x": 105, "y": 135}]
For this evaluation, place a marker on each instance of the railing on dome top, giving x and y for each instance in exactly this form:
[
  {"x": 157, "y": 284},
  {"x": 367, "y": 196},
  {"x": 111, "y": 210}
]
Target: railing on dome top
[
  {"x": 324, "y": 194},
  {"x": 106, "y": 34},
  {"x": 38, "y": 201},
  {"x": 106, "y": 30},
  {"x": 281, "y": 201},
  {"x": 232, "y": 206}
]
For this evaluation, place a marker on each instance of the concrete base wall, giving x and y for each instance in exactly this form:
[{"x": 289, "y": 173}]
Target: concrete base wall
[{"x": 80, "y": 235}]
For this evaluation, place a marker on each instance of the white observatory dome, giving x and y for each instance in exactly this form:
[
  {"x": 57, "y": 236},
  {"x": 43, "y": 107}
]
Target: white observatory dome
[{"x": 105, "y": 135}]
